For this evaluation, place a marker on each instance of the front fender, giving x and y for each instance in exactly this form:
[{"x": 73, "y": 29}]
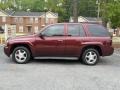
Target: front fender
[{"x": 23, "y": 43}]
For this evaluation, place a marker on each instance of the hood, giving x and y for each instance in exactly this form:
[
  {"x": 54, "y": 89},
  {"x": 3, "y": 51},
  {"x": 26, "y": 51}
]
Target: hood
[{"x": 22, "y": 38}]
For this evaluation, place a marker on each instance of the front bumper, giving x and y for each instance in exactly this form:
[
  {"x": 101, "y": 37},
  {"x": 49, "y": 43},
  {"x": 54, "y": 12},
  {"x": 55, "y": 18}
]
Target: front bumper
[{"x": 7, "y": 51}]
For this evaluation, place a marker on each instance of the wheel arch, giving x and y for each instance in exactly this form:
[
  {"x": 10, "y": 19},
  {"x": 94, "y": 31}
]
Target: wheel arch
[
  {"x": 97, "y": 47},
  {"x": 21, "y": 44}
]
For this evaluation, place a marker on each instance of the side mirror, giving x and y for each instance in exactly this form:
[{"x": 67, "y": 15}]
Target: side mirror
[{"x": 41, "y": 36}]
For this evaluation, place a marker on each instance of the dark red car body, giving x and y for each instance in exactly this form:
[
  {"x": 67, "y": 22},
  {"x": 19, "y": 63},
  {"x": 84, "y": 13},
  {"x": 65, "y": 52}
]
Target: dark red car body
[{"x": 61, "y": 46}]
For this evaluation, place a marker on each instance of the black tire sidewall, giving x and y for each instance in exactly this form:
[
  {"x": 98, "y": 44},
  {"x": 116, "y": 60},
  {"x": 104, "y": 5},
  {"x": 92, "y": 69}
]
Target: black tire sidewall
[
  {"x": 28, "y": 55},
  {"x": 88, "y": 50}
]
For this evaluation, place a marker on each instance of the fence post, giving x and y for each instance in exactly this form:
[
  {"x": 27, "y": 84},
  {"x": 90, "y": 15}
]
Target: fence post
[{"x": 6, "y": 32}]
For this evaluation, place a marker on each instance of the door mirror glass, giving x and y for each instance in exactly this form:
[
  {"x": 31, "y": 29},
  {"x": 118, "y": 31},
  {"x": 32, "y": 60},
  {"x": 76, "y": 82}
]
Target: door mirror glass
[{"x": 41, "y": 35}]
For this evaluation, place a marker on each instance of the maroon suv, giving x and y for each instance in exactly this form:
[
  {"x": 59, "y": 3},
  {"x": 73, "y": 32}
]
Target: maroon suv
[{"x": 83, "y": 41}]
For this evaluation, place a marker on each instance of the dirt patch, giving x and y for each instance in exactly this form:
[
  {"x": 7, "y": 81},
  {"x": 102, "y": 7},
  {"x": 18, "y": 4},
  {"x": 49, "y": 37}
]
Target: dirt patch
[{"x": 116, "y": 45}]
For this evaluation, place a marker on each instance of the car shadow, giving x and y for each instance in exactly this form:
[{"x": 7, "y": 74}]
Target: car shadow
[
  {"x": 55, "y": 61},
  {"x": 105, "y": 61}
]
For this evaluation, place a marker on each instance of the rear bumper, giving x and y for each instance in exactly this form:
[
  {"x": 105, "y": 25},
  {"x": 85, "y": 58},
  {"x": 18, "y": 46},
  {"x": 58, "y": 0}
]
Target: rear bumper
[
  {"x": 107, "y": 51},
  {"x": 7, "y": 51}
]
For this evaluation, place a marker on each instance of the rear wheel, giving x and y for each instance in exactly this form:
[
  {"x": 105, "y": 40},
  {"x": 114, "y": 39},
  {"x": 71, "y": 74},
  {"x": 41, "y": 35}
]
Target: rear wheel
[
  {"x": 90, "y": 56},
  {"x": 21, "y": 55}
]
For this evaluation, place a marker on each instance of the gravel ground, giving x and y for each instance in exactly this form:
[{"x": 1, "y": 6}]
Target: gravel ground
[
  {"x": 117, "y": 51},
  {"x": 60, "y": 74}
]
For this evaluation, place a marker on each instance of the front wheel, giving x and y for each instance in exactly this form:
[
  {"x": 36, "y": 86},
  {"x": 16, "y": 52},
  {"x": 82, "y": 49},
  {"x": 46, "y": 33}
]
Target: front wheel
[
  {"x": 90, "y": 56},
  {"x": 21, "y": 55}
]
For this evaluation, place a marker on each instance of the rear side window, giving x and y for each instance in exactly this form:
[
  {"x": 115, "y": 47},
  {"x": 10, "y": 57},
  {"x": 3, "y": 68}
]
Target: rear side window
[
  {"x": 75, "y": 30},
  {"x": 98, "y": 30}
]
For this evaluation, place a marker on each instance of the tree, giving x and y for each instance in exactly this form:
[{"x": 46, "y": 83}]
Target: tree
[
  {"x": 6, "y": 5},
  {"x": 110, "y": 12},
  {"x": 87, "y": 8},
  {"x": 75, "y": 10}
]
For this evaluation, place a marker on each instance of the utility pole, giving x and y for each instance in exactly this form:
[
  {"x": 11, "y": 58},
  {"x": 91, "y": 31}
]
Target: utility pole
[
  {"x": 98, "y": 10},
  {"x": 75, "y": 10},
  {"x": 45, "y": 9}
]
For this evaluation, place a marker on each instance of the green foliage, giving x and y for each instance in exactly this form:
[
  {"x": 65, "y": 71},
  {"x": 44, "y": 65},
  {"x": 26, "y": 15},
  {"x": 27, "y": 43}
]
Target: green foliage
[
  {"x": 87, "y": 8},
  {"x": 65, "y": 10},
  {"x": 6, "y": 5},
  {"x": 111, "y": 12}
]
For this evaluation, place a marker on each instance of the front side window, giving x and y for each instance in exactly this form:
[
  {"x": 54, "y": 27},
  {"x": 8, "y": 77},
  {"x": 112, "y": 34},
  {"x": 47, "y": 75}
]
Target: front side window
[
  {"x": 54, "y": 30},
  {"x": 75, "y": 30},
  {"x": 98, "y": 30}
]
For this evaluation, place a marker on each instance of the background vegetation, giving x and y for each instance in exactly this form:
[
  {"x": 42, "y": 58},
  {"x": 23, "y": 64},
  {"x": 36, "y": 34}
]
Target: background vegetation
[{"x": 109, "y": 9}]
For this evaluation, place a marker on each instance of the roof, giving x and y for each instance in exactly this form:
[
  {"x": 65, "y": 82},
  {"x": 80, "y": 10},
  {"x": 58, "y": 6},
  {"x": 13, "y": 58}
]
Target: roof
[
  {"x": 23, "y": 13},
  {"x": 26, "y": 13},
  {"x": 92, "y": 18},
  {"x": 9, "y": 12},
  {"x": 86, "y": 19}
]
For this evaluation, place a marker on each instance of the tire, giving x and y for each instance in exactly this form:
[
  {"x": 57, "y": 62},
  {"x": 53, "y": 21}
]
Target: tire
[
  {"x": 21, "y": 55},
  {"x": 90, "y": 56}
]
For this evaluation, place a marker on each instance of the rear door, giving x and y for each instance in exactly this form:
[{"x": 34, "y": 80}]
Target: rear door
[{"x": 75, "y": 35}]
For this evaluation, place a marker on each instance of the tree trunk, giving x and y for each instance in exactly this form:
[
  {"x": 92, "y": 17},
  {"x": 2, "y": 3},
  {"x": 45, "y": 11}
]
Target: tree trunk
[{"x": 75, "y": 10}]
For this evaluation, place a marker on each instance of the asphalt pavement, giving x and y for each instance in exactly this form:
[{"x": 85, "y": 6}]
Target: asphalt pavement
[{"x": 60, "y": 74}]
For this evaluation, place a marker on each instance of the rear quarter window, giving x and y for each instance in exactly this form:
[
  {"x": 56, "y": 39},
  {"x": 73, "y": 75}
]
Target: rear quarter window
[{"x": 98, "y": 30}]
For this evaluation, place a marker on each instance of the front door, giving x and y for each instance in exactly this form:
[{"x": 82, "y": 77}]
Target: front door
[{"x": 52, "y": 44}]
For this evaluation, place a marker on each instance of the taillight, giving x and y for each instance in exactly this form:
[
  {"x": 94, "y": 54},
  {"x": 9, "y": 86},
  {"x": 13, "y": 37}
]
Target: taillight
[
  {"x": 108, "y": 43},
  {"x": 111, "y": 42}
]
